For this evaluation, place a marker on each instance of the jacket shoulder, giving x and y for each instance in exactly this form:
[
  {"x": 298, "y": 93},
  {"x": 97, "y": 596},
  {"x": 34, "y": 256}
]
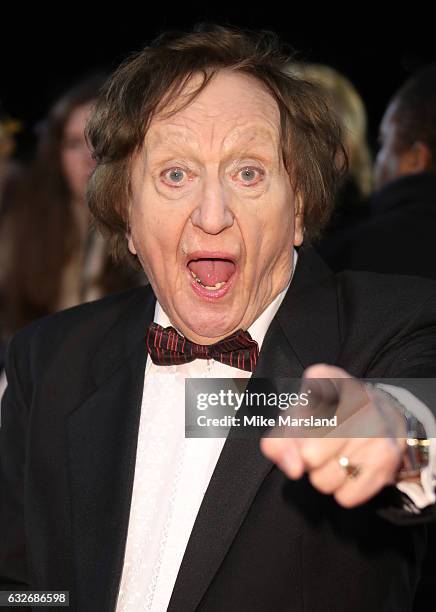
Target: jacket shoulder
[
  {"x": 384, "y": 293},
  {"x": 87, "y": 322},
  {"x": 387, "y": 324}
]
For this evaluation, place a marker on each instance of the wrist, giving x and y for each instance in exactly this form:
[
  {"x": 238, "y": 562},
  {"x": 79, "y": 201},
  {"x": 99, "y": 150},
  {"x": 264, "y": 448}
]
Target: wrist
[
  {"x": 415, "y": 456},
  {"x": 415, "y": 459}
]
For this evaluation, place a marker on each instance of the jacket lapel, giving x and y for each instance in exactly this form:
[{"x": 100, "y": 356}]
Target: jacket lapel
[
  {"x": 304, "y": 331},
  {"x": 308, "y": 315},
  {"x": 102, "y": 436}
]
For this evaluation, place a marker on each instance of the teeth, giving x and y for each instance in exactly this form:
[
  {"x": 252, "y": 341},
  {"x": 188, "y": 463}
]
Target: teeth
[{"x": 217, "y": 286}]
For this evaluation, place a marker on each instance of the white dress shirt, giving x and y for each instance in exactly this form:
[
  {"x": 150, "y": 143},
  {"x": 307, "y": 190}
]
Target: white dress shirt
[{"x": 172, "y": 474}]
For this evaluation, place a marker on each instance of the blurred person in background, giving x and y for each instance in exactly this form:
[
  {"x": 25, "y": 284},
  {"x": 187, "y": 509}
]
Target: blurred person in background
[
  {"x": 398, "y": 237},
  {"x": 54, "y": 258},
  {"x": 343, "y": 98},
  {"x": 8, "y": 168},
  {"x": 9, "y": 175}
]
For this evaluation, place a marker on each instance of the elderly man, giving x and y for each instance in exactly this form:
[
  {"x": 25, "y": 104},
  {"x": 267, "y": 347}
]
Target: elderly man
[{"x": 213, "y": 166}]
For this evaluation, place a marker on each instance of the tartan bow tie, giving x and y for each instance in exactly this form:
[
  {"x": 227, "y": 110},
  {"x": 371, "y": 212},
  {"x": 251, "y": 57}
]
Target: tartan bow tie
[{"x": 167, "y": 347}]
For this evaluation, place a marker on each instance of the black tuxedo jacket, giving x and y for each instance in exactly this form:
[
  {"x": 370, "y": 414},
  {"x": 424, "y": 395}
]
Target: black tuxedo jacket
[{"x": 260, "y": 542}]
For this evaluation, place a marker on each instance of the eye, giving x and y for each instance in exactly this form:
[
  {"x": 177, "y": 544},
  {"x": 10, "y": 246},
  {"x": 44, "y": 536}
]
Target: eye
[
  {"x": 175, "y": 177},
  {"x": 250, "y": 175}
]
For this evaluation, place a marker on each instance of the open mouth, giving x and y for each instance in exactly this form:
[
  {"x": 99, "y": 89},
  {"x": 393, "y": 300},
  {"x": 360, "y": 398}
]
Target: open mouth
[{"x": 212, "y": 274}]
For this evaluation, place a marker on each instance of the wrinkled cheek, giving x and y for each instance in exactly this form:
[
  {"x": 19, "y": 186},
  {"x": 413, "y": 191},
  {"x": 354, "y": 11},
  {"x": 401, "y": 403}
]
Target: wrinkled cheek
[{"x": 159, "y": 257}]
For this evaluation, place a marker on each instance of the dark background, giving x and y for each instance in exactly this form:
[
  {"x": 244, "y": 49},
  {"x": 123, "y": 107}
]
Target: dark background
[{"x": 45, "y": 52}]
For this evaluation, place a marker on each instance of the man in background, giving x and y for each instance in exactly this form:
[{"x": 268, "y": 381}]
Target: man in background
[{"x": 399, "y": 235}]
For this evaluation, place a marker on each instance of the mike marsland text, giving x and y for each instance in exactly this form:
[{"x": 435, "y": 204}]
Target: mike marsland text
[{"x": 261, "y": 421}]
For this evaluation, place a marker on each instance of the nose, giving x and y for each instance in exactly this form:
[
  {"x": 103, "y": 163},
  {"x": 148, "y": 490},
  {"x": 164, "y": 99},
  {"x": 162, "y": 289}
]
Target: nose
[{"x": 212, "y": 215}]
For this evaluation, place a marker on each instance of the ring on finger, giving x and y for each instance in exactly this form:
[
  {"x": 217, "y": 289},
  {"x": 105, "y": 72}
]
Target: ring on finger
[{"x": 352, "y": 470}]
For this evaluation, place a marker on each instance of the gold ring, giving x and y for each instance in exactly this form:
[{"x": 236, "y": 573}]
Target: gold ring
[{"x": 353, "y": 471}]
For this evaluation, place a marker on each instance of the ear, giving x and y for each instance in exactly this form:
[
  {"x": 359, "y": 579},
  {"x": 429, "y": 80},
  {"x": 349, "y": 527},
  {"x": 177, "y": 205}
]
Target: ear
[
  {"x": 416, "y": 159},
  {"x": 128, "y": 234},
  {"x": 130, "y": 243},
  {"x": 298, "y": 221}
]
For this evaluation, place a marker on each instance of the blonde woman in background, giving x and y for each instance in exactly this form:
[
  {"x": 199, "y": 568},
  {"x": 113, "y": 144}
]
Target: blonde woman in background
[
  {"x": 351, "y": 207},
  {"x": 350, "y": 110}
]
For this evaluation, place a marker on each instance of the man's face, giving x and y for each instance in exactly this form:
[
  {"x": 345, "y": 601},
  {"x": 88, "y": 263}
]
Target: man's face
[
  {"x": 389, "y": 163},
  {"x": 212, "y": 212}
]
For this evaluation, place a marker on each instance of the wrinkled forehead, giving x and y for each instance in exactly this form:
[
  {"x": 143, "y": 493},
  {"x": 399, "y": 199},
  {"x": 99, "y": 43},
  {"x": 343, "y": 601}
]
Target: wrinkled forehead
[{"x": 233, "y": 110}]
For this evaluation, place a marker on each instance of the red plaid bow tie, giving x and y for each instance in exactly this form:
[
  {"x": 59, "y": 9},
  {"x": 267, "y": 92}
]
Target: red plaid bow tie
[{"x": 167, "y": 347}]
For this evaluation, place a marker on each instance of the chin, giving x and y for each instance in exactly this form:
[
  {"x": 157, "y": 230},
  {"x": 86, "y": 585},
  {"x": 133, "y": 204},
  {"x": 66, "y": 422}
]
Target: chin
[{"x": 209, "y": 327}]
